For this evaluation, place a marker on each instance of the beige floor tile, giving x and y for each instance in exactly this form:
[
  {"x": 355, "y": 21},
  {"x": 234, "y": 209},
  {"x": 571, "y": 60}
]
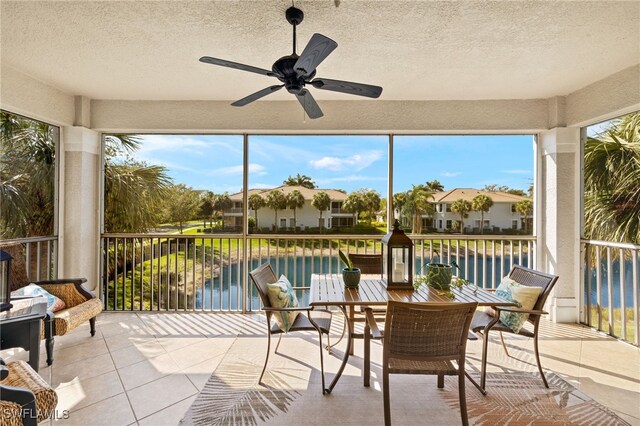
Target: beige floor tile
[
  {"x": 114, "y": 411},
  {"x": 201, "y": 351},
  {"x": 136, "y": 353},
  {"x": 172, "y": 343},
  {"x": 81, "y": 392},
  {"x": 199, "y": 374},
  {"x": 80, "y": 352},
  {"x": 64, "y": 373},
  {"x": 146, "y": 371},
  {"x": 160, "y": 394},
  {"x": 170, "y": 416}
]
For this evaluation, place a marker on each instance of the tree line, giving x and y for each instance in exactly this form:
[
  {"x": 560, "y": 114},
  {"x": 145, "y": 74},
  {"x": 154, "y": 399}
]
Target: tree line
[{"x": 139, "y": 196}]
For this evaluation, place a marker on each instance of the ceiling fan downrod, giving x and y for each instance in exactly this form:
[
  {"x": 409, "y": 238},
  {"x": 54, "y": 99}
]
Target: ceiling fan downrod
[{"x": 294, "y": 17}]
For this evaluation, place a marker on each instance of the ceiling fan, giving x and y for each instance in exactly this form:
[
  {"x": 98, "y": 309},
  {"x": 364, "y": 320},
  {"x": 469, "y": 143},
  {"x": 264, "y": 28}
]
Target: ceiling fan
[{"x": 297, "y": 71}]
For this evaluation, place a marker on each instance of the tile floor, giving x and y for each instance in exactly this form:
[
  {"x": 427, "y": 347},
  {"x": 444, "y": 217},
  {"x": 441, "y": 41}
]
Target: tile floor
[{"x": 147, "y": 368}]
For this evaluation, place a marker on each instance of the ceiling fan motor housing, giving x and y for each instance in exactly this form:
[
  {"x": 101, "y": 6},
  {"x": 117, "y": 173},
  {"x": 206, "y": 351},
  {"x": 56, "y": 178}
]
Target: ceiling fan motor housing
[
  {"x": 284, "y": 71},
  {"x": 294, "y": 15}
]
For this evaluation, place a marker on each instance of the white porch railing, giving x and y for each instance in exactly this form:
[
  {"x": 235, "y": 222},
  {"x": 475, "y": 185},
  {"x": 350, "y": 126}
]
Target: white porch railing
[
  {"x": 208, "y": 272},
  {"x": 611, "y": 288}
]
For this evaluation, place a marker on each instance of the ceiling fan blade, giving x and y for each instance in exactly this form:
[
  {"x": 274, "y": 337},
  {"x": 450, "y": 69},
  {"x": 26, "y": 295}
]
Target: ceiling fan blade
[
  {"x": 349, "y": 87},
  {"x": 255, "y": 96},
  {"x": 229, "y": 64},
  {"x": 309, "y": 104},
  {"x": 318, "y": 48}
]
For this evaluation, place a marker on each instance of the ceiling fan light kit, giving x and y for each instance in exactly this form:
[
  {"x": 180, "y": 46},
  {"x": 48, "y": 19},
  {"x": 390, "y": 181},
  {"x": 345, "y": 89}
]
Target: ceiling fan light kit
[{"x": 295, "y": 72}]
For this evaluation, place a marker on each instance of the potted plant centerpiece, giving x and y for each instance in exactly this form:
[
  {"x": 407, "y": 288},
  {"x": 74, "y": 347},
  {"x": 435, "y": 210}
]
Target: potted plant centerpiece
[
  {"x": 440, "y": 277},
  {"x": 350, "y": 275}
]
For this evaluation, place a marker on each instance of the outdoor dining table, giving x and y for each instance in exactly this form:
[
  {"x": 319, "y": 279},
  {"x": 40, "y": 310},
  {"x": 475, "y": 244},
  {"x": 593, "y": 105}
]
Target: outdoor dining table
[{"x": 328, "y": 290}]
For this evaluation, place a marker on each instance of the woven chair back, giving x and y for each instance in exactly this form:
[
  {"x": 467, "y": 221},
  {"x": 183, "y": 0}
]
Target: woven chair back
[
  {"x": 423, "y": 331},
  {"x": 531, "y": 277},
  {"x": 261, "y": 276},
  {"x": 367, "y": 263}
]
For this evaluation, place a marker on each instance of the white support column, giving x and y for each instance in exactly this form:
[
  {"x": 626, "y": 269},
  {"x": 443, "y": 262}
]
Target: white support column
[
  {"x": 79, "y": 233},
  {"x": 558, "y": 218}
]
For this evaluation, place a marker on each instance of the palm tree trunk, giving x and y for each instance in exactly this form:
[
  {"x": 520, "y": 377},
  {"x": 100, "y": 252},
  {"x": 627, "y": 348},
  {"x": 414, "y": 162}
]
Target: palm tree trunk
[
  {"x": 481, "y": 221},
  {"x": 462, "y": 224},
  {"x": 276, "y": 213},
  {"x": 295, "y": 220},
  {"x": 321, "y": 223}
]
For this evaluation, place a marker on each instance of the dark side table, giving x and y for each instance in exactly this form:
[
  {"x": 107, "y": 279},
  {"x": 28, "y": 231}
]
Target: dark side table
[{"x": 20, "y": 328}]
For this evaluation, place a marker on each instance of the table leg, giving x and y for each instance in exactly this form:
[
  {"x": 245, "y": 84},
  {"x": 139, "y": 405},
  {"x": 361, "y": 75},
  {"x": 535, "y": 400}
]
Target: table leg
[
  {"x": 49, "y": 332},
  {"x": 34, "y": 343},
  {"x": 347, "y": 352},
  {"x": 352, "y": 316}
]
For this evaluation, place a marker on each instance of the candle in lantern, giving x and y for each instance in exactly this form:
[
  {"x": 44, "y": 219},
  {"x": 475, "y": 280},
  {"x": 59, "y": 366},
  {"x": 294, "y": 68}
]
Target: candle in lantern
[{"x": 398, "y": 271}]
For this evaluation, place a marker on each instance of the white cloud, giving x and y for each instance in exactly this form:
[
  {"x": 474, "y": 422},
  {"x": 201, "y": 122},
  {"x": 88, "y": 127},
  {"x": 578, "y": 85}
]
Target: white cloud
[
  {"x": 516, "y": 172},
  {"x": 356, "y": 161},
  {"x": 254, "y": 168},
  {"x": 184, "y": 143},
  {"x": 450, "y": 174}
]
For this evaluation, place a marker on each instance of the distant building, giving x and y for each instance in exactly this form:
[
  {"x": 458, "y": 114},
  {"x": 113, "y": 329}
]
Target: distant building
[
  {"x": 307, "y": 216},
  {"x": 502, "y": 215}
]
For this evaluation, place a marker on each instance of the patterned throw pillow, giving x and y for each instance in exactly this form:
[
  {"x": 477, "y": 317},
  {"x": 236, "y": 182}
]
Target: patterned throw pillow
[
  {"x": 32, "y": 290},
  {"x": 282, "y": 295},
  {"x": 524, "y": 296}
]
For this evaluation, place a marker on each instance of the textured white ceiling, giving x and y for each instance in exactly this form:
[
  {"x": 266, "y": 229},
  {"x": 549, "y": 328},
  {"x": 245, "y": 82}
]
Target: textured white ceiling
[{"x": 415, "y": 50}]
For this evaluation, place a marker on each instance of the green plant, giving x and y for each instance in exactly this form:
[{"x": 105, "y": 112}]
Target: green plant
[{"x": 345, "y": 259}]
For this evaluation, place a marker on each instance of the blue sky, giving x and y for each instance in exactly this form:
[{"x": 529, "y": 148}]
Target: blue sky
[{"x": 214, "y": 162}]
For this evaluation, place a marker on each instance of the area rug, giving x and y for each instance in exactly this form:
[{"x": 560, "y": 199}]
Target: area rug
[{"x": 233, "y": 396}]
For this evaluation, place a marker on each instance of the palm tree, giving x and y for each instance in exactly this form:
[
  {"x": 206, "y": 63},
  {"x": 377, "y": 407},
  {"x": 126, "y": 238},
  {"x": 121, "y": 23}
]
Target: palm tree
[
  {"x": 354, "y": 204},
  {"x": 434, "y": 186},
  {"x": 27, "y": 177},
  {"x": 256, "y": 202},
  {"x": 612, "y": 182},
  {"x": 525, "y": 208},
  {"x": 222, "y": 203},
  {"x": 276, "y": 200},
  {"x": 300, "y": 180},
  {"x": 206, "y": 206},
  {"x": 416, "y": 204},
  {"x": 399, "y": 201},
  {"x": 462, "y": 207},
  {"x": 481, "y": 203},
  {"x": 295, "y": 201},
  {"x": 321, "y": 201},
  {"x": 371, "y": 200}
]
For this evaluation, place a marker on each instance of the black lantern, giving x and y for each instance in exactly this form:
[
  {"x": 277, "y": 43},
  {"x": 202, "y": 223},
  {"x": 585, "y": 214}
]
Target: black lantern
[
  {"x": 397, "y": 259},
  {"x": 5, "y": 283}
]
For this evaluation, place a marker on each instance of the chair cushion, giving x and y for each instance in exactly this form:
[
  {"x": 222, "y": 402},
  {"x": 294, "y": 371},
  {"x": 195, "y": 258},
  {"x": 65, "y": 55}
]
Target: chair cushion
[
  {"x": 282, "y": 295},
  {"x": 524, "y": 296},
  {"x": 302, "y": 323},
  {"x": 32, "y": 290}
]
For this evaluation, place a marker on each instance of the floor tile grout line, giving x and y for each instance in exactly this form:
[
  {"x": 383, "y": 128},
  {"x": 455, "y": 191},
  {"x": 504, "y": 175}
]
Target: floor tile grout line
[{"x": 169, "y": 406}]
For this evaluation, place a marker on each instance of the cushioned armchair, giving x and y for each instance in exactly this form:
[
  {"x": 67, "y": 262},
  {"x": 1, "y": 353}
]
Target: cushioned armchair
[{"x": 81, "y": 304}]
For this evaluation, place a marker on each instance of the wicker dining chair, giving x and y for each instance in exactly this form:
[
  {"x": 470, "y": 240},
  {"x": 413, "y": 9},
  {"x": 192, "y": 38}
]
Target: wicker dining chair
[
  {"x": 424, "y": 339},
  {"x": 320, "y": 322},
  {"x": 483, "y": 322}
]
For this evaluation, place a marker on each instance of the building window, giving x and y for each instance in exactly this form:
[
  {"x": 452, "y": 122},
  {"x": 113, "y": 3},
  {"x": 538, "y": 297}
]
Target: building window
[
  {"x": 513, "y": 208},
  {"x": 292, "y": 223},
  {"x": 514, "y": 224},
  {"x": 449, "y": 224},
  {"x": 448, "y": 208},
  {"x": 283, "y": 222},
  {"x": 440, "y": 224}
]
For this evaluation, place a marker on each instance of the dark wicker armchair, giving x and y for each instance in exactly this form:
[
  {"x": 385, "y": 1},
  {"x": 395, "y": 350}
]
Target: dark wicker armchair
[
  {"x": 422, "y": 339},
  {"x": 320, "y": 322},
  {"x": 25, "y": 397},
  {"x": 483, "y": 323}
]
